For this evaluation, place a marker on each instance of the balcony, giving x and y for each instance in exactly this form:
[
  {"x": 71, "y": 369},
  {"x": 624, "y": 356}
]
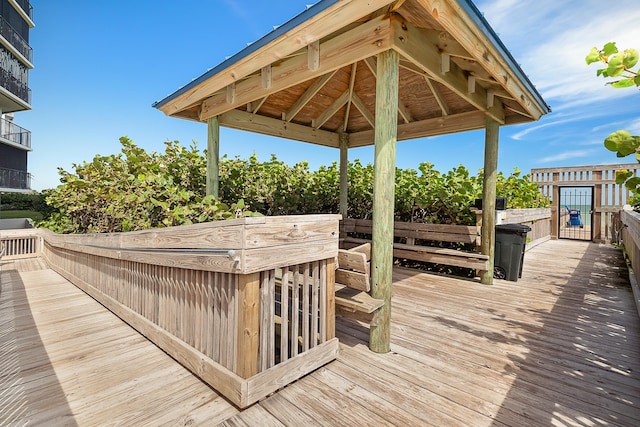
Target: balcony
[
  {"x": 13, "y": 133},
  {"x": 16, "y": 40},
  {"x": 15, "y": 86},
  {"x": 14, "y": 179},
  {"x": 26, "y": 7}
]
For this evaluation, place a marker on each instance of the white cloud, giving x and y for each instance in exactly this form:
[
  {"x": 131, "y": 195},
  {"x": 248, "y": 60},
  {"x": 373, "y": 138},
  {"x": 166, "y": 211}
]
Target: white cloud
[
  {"x": 558, "y": 37},
  {"x": 568, "y": 155}
]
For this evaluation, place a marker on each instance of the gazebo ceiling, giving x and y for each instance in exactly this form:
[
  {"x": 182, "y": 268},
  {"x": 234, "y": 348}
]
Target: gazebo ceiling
[{"x": 315, "y": 77}]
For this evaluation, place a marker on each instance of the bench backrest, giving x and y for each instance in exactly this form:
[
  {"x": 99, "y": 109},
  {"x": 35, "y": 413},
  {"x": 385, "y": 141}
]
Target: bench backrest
[
  {"x": 415, "y": 230},
  {"x": 354, "y": 266}
]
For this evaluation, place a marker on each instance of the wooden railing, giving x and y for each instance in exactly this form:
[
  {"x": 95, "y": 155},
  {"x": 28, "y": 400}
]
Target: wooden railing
[
  {"x": 629, "y": 236},
  {"x": 247, "y": 305},
  {"x": 608, "y": 197},
  {"x": 20, "y": 243},
  {"x": 538, "y": 219}
]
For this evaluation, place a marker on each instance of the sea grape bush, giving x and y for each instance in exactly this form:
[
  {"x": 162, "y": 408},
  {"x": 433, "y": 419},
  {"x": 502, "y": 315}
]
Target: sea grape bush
[{"x": 136, "y": 190}]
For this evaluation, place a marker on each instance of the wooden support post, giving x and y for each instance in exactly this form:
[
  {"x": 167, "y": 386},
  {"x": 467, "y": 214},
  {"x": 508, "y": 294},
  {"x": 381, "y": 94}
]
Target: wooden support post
[
  {"x": 344, "y": 177},
  {"x": 487, "y": 244},
  {"x": 555, "y": 209},
  {"x": 596, "y": 233},
  {"x": 248, "y": 325},
  {"x": 386, "y": 129},
  {"x": 213, "y": 156}
]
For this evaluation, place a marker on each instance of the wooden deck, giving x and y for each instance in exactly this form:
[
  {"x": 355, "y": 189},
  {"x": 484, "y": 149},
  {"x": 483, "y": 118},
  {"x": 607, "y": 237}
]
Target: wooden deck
[{"x": 559, "y": 347}]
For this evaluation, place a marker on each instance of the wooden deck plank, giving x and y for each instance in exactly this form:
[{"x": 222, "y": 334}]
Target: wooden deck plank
[
  {"x": 559, "y": 347},
  {"x": 66, "y": 360}
]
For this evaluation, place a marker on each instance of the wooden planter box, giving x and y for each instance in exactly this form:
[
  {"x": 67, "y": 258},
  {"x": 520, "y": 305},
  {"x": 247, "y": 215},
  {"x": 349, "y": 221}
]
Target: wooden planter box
[{"x": 247, "y": 304}]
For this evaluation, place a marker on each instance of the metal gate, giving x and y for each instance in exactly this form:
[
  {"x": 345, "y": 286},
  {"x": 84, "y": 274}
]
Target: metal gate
[{"x": 575, "y": 213}]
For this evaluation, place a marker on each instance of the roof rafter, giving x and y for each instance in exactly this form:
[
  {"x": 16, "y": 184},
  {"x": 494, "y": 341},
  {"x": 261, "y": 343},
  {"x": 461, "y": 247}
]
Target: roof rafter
[
  {"x": 311, "y": 91},
  {"x": 354, "y": 45},
  {"x": 242, "y": 120},
  {"x": 315, "y": 27},
  {"x": 423, "y": 128},
  {"x": 413, "y": 43},
  {"x": 483, "y": 50},
  {"x": 352, "y": 82}
]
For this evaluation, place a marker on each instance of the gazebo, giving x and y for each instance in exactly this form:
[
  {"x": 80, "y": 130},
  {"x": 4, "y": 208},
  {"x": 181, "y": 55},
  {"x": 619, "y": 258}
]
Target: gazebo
[{"x": 351, "y": 73}]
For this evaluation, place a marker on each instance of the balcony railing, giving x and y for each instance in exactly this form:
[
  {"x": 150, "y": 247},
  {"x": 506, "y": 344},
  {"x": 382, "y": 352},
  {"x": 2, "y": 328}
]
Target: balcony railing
[
  {"x": 16, "y": 40},
  {"x": 15, "y": 179},
  {"x": 15, "y": 86},
  {"x": 26, "y": 6},
  {"x": 14, "y": 133}
]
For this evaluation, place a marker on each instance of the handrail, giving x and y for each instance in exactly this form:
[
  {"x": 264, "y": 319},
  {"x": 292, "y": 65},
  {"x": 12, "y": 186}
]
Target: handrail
[
  {"x": 227, "y": 314},
  {"x": 14, "y": 133},
  {"x": 630, "y": 236},
  {"x": 16, "y": 40}
]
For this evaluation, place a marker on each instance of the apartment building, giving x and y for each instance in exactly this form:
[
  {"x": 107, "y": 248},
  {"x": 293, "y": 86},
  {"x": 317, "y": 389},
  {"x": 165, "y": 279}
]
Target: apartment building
[{"x": 16, "y": 60}]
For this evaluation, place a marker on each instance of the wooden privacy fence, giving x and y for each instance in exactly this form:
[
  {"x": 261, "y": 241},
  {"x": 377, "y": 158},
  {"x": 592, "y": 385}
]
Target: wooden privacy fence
[
  {"x": 629, "y": 235},
  {"x": 247, "y": 305},
  {"x": 608, "y": 197}
]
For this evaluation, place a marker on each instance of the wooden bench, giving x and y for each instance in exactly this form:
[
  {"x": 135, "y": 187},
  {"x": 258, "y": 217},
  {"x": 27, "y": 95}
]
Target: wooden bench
[
  {"x": 353, "y": 284},
  {"x": 412, "y": 232}
]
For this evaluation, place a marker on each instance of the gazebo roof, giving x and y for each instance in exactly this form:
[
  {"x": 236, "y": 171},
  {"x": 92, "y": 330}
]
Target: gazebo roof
[{"x": 315, "y": 76}]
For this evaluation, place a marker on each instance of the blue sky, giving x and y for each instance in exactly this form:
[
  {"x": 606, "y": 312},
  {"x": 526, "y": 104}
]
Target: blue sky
[{"x": 101, "y": 64}]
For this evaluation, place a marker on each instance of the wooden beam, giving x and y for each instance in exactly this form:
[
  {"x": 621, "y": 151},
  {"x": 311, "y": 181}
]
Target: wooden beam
[
  {"x": 349, "y": 47},
  {"x": 333, "y": 109},
  {"x": 442, "y": 103},
  {"x": 254, "y": 106},
  {"x": 313, "y": 53},
  {"x": 344, "y": 177},
  {"x": 213, "y": 156},
  {"x": 472, "y": 120},
  {"x": 387, "y": 86},
  {"x": 396, "y": 5},
  {"x": 352, "y": 82},
  {"x": 445, "y": 63},
  {"x": 471, "y": 85},
  {"x": 311, "y": 91},
  {"x": 413, "y": 43},
  {"x": 231, "y": 94},
  {"x": 488, "y": 238},
  {"x": 242, "y": 120},
  {"x": 316, "y": 27},
  {"x": 464, "y": 29},
  {"x": 363, "y": 110},
  {"x": 266, "y": 76}
]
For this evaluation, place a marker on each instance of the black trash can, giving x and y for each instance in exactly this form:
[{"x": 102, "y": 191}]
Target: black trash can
[{"x": 511, "y": 240}]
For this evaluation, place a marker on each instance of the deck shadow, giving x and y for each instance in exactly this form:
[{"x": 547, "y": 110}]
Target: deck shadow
[
  {"x": 582, "y": 358},
  {"x": 25, "y": 367}
]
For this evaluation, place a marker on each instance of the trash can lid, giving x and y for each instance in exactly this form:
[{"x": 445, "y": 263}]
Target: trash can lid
[{"x": 513, "y": 228}]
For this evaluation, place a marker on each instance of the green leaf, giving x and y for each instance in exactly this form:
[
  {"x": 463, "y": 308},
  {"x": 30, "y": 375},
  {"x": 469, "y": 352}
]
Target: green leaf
[
  {"x": 636, "y": 80},
  {"x": 622, "y": 176},
  {"x": 616, "y": 66},
  {"x": 622, "y": 142},
  {"x": 593, "y": 56},
  {"x": 632, "y": 183},
  {"x": 630, "y": 58},
  {"x": 609, "y": 49},
  {"x": 623, "y": 83}
]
